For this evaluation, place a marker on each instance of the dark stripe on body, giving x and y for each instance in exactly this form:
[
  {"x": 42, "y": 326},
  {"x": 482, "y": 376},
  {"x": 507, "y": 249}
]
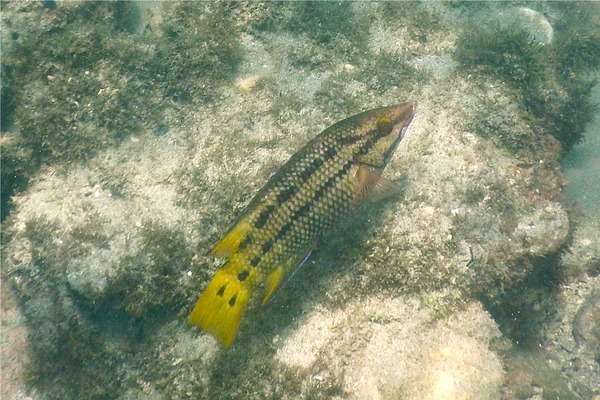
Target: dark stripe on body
[
  {"x": 307, "y": 172},
  {"x": 285, "y": 195},
  {"x": 264, "y": 215},
  {"x": 307, "y": 206},
  {"x": 304, "y": 175}
]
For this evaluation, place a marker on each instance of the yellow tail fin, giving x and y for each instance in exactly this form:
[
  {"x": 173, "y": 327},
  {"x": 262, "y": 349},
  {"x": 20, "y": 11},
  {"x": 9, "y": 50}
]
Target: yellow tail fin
[{"x": 220, "y": 307}]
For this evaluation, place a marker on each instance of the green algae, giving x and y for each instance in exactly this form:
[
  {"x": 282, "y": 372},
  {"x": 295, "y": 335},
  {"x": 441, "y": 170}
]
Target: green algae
[
  {"x": 554, "y": 88},
  {"x": 79, "y": 78},
  {"x": 123, "y": 332}
]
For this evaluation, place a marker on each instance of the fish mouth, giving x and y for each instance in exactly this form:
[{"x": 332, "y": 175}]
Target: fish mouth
[
  {"x": 405, "y": 111},
  {"x": 403, "y": 116}
]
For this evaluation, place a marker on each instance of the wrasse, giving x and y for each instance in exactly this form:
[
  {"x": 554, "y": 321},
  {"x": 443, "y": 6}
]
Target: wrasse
[{"x": 316, "y": 187}]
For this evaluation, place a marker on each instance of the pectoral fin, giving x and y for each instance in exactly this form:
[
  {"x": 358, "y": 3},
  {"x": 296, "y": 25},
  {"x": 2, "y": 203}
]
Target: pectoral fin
[{"x": 371, "y": 186}]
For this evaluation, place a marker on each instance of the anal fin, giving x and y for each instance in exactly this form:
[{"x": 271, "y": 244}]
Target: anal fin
[
  {"x": 274, "y": 280},
  {"x": 277, "y": 278}
]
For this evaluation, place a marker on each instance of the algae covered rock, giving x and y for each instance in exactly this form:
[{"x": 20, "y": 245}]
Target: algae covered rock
[
  {"x": 393, "y": 348},
  {"x": 182, "y": 117}
]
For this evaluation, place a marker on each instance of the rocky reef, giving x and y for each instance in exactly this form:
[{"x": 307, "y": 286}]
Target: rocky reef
[{"x": 133, "y": 133}]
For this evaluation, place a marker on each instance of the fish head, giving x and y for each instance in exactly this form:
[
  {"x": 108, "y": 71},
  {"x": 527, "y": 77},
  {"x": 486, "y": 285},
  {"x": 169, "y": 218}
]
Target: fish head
[{"x": 384, "y": 128}]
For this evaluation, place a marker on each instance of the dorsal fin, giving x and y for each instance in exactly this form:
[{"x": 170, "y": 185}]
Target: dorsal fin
[{"x": 232, "y": 239}]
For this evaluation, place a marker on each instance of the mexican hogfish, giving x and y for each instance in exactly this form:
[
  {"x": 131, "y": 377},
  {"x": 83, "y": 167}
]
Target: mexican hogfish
[{"x": 322, "y": 183}]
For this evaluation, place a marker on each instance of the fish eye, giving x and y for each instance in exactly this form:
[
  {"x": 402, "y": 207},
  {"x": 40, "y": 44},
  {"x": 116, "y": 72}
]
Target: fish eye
[{"x": 384, "y": 125}]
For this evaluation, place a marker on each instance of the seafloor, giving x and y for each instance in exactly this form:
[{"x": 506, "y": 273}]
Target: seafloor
[{"x": 133, "y": 134}]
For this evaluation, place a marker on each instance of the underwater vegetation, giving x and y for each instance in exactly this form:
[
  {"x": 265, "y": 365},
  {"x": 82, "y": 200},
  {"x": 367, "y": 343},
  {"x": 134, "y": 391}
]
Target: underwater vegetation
[
  {"x": 134, "y": 133},
  {"x": 552, "y": 78},
  {"x": 71, "y": 87}
]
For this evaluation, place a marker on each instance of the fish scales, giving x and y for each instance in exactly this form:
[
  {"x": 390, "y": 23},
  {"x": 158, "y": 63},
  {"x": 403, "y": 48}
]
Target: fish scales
[{"x": 319, "y": 185}]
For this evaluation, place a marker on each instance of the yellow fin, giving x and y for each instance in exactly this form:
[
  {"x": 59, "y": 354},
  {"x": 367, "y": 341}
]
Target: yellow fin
[
  {"x": 221, "y": 306},
  {"x": 273, "y": 282},
  {"x": 232, "y": 239}
]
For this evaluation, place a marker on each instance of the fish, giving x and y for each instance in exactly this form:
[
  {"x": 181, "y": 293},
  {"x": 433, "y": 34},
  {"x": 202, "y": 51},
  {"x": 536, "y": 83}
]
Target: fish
[{"x": 318, "y": 186}]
